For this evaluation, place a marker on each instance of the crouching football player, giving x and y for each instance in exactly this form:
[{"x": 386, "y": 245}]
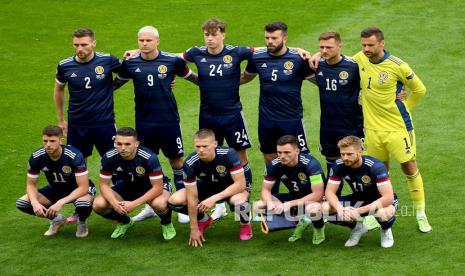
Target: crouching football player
[
  {"x": 372, "y": 192},
  {"x": 66, "y": 173},
  {"x": 301, "y": 173},
  {"x": 141, "y": 181},
  {"x": 212, "y": 174}
]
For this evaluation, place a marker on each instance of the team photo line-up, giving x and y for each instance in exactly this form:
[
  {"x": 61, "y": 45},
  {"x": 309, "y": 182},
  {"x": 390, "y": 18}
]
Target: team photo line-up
[{"x": 361, "y": 97}]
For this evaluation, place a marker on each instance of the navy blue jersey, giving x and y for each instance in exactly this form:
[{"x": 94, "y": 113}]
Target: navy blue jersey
[
  {"x": 298, "y": 179},
  {"x": 363, "y": 181},
  {"x": 339, "y": 86},
  {"x": 61, "y": 173},
  {"x": 154, "y": 99},
  {"x": 135, "y": 173},
  {"x": 219, "y": 77},
  {"x": 214, "y": 175},
  {"x": 280, "y": 83},
  {"x": 90, "y": 89}
]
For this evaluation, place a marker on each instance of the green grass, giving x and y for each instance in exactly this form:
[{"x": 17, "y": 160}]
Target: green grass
[{"x": 35, "y": 35}]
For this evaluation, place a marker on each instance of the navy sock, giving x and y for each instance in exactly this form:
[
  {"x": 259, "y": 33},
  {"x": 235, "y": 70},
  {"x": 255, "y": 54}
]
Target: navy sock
[
  {"x": 83, "y": 209},
  {"x": 165, "y": 217},
  {"x": 25, "y": 206},
  {"x": 248, "y": 177},
  {"x": 387, "y": 224},
  {"x": 318, "y": 223},
  {"x": 113, "y": 215},
  {"x": 178, "y": 179},
  {"x": 179, "y": 208}
]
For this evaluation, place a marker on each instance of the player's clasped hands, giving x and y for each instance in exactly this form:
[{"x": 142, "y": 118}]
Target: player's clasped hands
[
  {"x": 39, "y": 210},
  {"x": 350, "y": 214},
  {"x": 53, "y": 210},
  {"x": 119, "y": 207}
]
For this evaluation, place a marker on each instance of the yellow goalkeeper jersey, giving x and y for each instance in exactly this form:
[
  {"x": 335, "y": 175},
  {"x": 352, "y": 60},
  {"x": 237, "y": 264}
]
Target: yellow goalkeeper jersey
[{"x": 380, "y": 84}]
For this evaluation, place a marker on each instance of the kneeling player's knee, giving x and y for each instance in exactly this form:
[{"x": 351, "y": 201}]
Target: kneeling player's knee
[
  {"x": 159, "y": 205},
  {"x": 24, "y": 206},
  {"x": 99, "y": 205}
]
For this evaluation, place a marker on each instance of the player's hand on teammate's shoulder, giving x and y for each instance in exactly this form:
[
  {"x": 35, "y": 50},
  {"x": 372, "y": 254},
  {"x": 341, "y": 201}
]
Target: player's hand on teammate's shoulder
[
  {"x": 304, "y": 54},
  {"x": 314, "y": 61},
  {"x": 128, "y": 54}
]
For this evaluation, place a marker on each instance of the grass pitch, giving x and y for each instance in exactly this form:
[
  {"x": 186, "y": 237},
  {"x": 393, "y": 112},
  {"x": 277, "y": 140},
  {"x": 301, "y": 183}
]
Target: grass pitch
[{"x": 35, "y": 35}]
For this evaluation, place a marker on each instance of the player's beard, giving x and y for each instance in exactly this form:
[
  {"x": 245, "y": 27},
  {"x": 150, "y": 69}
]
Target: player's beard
[{"x": 275, "y": 49}]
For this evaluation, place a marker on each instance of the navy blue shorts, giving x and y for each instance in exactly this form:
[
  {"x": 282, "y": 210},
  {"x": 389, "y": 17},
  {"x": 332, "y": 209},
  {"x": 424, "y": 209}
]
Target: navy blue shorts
[
  {"x": 231, "y": 127},
  {"x": 351, "y": 200},
  {"x": 330, "y": 138},
  {"x": 168, "y": 138},
  {"x": 84, "y": 138},
  {"x": 270, "y": 131},
  {"x": 53, "y": 194},
  {"x": 129, "y": 192}
]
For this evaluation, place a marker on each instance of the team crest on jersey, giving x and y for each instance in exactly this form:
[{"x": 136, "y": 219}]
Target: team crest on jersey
[
  {"x": 288, "y": 65},
  {"x": 366, "y": 179},
  {"x": 382, "y": 77},
  {"x": 302, "y": 176},
  {"x": 66, "y": 169},
  {"x": 140, "y": 170},
  {"x": 99, "y": 70},
  {"x": 162, "y": 69},
  {"x": 221, "y": 170},
  {"x": 343, "y": 75},
  {"x": 227, "y": 59}
]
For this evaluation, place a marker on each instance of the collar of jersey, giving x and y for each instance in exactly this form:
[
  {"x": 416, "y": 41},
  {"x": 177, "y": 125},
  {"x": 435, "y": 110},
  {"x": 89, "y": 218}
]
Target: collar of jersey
[{"x": 386, "y": 55}]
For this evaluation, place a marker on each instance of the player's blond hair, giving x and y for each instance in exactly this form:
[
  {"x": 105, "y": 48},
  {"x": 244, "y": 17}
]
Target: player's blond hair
[
  {"x": 350, "y": 141},
  {"x": 149, "y": 30},
  {"x": 204, "y": 133}
]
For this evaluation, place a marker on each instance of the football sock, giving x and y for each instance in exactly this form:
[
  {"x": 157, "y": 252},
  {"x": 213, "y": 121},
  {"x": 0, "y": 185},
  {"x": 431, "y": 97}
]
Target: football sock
[
  {"x": 113, "y": 215},
  {"x": 248, "y": 175},
  {"x": 387, "y": 224},
  {"x": 25, "y": 206},
  {"x": 178, "y": 181},
  {"x": 83, "y": 209},
  {"x": 165, "y": 216},
  {"x": 202, "y": 217},
  {"x": 179, "y": 208},
  {"x": 415, "y": 186}
]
